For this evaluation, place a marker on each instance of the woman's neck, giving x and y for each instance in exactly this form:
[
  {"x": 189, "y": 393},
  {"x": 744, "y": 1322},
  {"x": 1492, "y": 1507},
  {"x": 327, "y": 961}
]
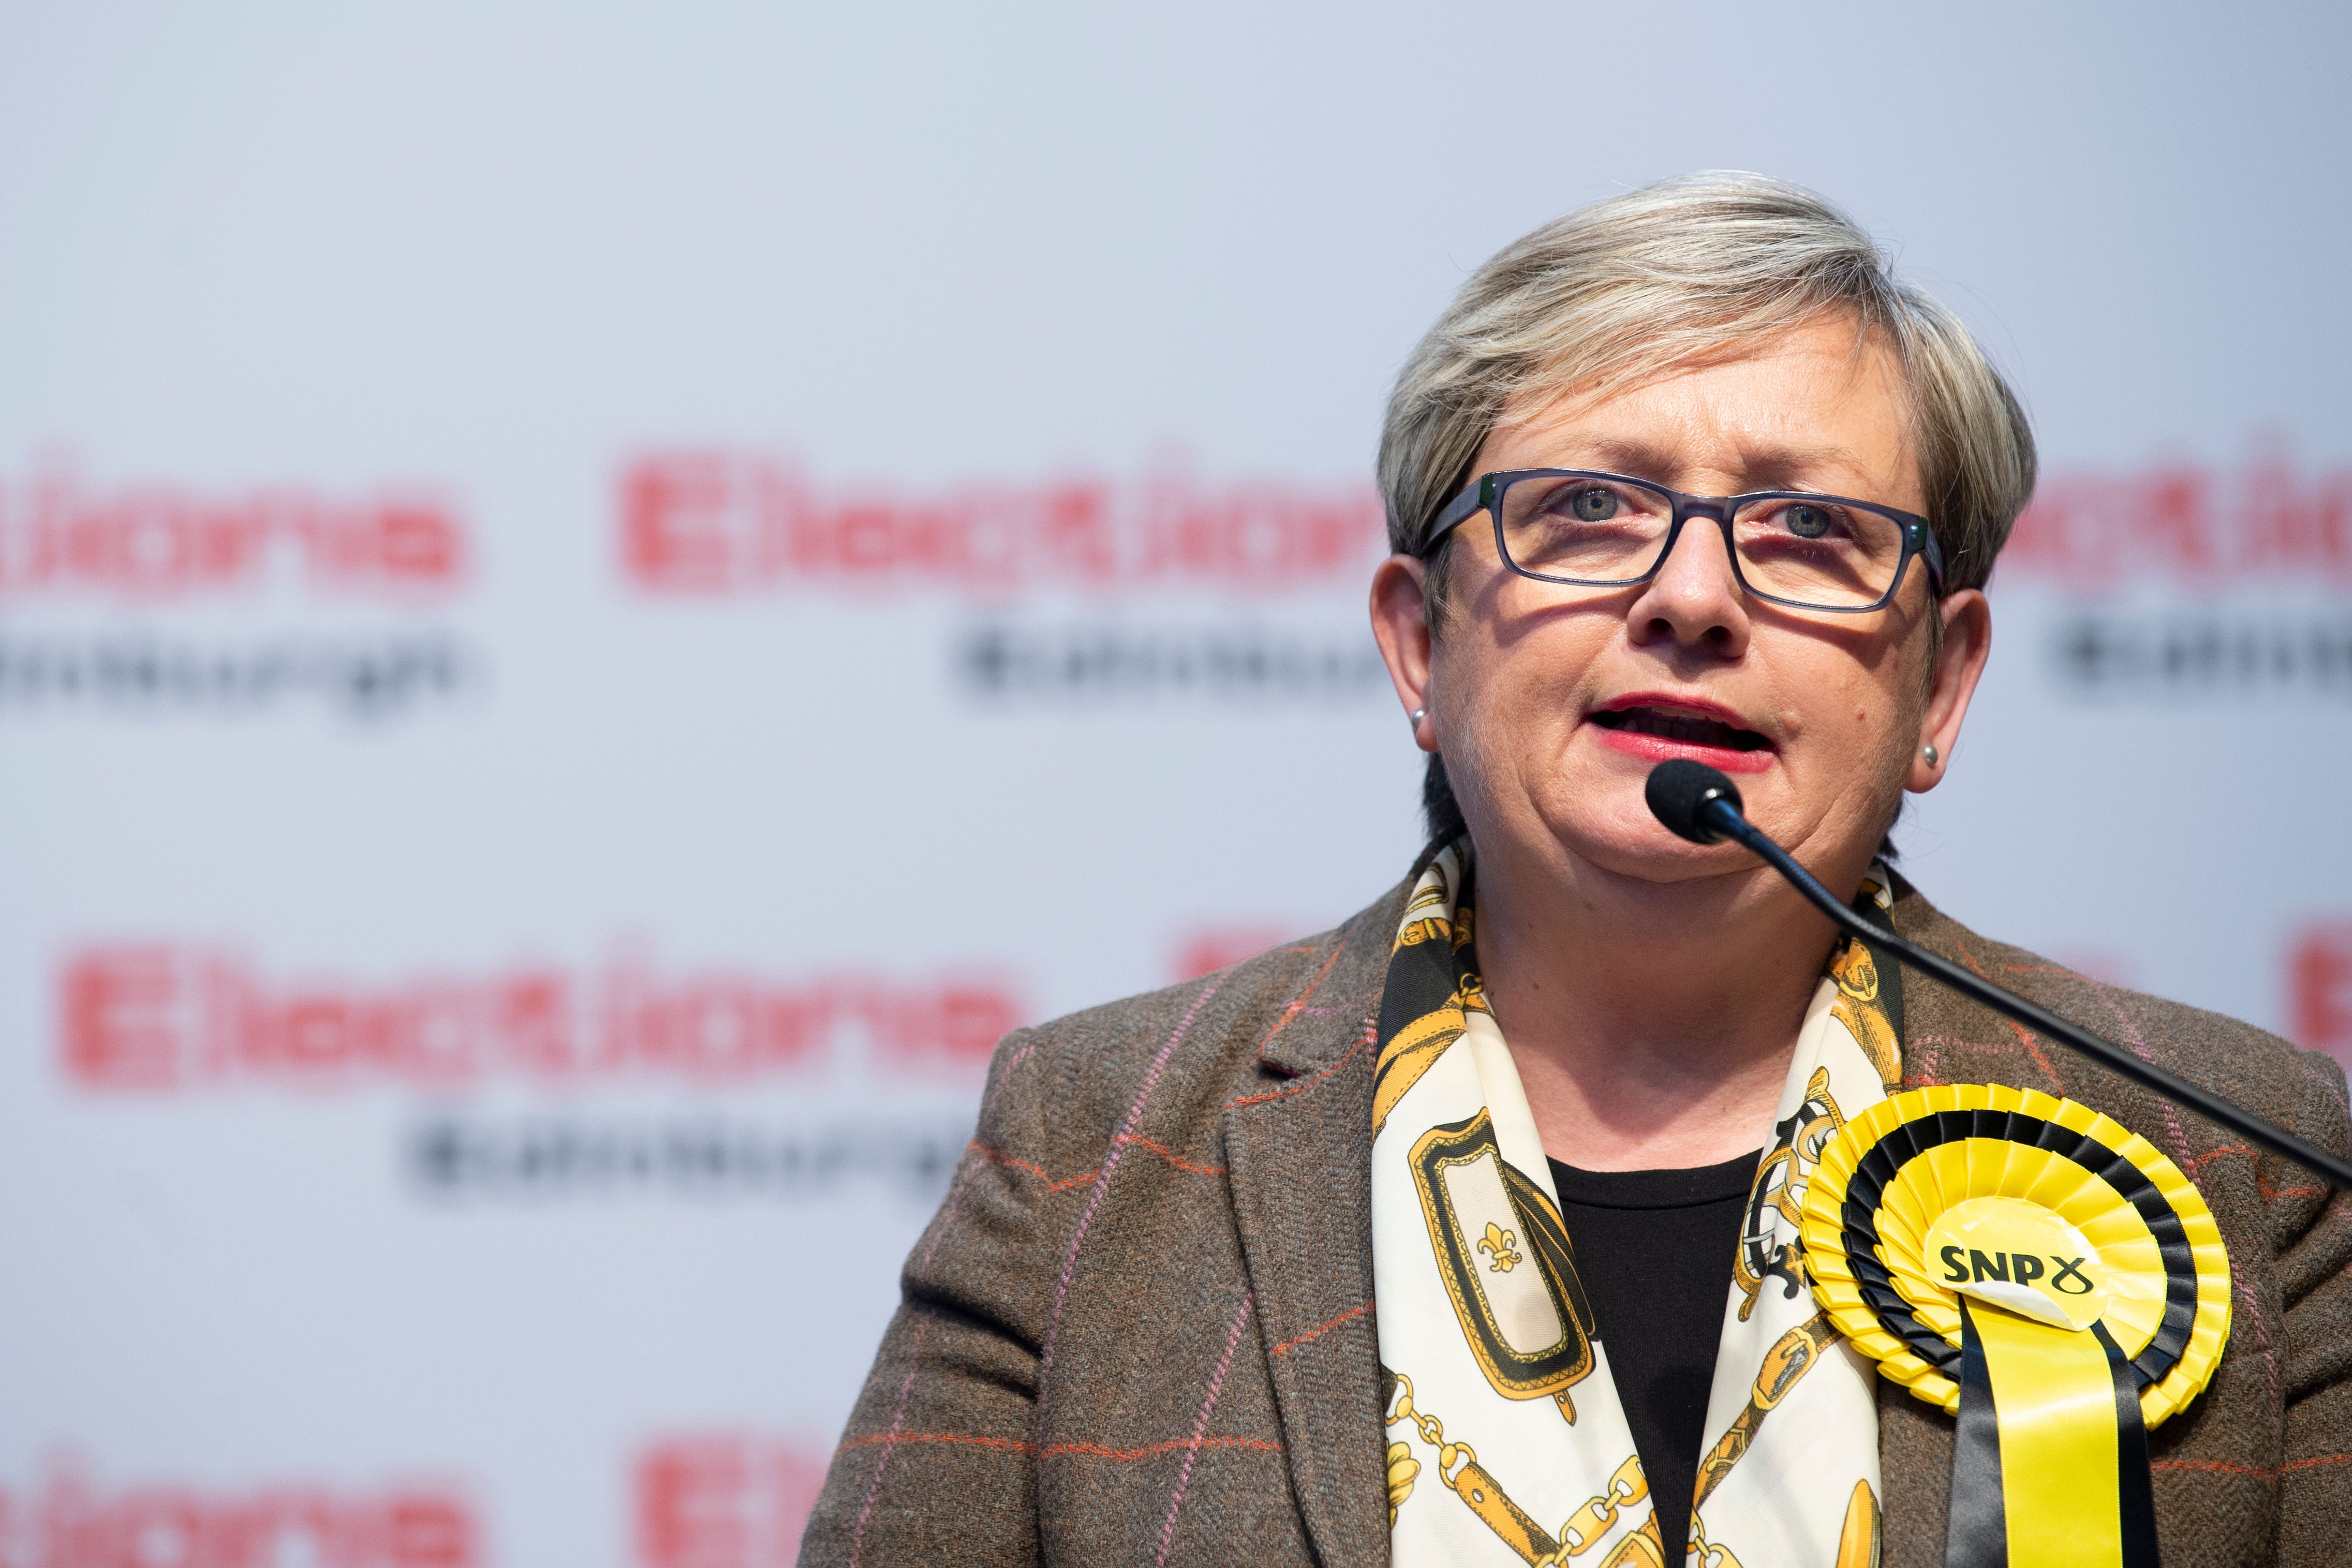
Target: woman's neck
[{"x": 1652, "y": 1023}]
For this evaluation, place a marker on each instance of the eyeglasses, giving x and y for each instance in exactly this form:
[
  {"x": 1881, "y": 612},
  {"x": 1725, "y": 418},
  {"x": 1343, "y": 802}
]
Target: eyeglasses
[{"x": 1790, "y": 547}]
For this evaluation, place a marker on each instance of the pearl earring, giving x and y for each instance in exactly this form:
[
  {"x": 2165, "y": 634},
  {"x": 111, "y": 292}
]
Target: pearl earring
[
  {"x": 1418, "y": 714},
  {"x": 1929, "y": 753}
]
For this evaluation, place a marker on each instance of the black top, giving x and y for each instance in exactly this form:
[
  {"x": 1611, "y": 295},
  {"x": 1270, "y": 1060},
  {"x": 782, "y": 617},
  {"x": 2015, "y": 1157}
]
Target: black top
[{"x": 1654, "y": 1250}]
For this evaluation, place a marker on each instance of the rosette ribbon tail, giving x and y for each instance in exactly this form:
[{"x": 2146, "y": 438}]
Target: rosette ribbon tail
[{"x": 2050, "y": 1461}]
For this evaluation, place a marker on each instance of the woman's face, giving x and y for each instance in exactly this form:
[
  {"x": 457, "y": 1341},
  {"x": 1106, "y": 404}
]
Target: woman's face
[{"x": 1552, "y": 704}]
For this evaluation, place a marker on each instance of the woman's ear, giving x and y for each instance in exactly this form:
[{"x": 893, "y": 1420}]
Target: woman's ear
[
  {"x": 1400, "y": 626},
  {"x": 1959, "y": 664}
]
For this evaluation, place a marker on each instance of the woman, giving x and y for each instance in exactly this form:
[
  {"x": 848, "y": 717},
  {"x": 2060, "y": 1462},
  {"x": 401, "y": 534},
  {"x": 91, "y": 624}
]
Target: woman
[{"x": 1474, "y": 1231}]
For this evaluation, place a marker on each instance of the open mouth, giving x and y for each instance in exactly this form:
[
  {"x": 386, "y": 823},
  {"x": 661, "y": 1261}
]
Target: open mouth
[{"x": 1684, "y": 727}]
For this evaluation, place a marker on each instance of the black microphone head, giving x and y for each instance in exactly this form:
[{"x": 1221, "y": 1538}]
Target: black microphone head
[{"x": 1679, "y": 789}]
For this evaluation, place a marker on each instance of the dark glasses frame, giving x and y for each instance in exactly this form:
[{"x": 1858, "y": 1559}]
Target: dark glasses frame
[{"x": 1486, "y": 493}]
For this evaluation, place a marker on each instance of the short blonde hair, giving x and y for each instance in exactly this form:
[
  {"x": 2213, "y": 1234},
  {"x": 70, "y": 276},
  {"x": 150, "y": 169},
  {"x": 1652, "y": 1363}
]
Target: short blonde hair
[{"x": 1616, "y": 293}]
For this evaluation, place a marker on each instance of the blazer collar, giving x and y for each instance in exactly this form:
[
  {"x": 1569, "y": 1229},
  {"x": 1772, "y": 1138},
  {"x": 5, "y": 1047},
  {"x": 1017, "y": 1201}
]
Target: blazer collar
[{"x": 1324, "y": 1021}]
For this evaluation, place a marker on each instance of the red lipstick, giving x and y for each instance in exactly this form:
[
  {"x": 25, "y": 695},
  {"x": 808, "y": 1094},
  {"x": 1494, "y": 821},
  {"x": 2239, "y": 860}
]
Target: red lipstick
[{"x": 1658, "y": 725}]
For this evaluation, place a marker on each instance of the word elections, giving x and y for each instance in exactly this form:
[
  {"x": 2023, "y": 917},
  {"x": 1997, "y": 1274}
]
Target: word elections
[
  {"x": 722, "y": 523},
  {"x": 163, "y": 1017},
  {"x": 2018, "y": 1268},
  {"x": 724, "y": 1501},
  {"x": 150, "y": 543},
  {"x": 67, "y": 1522},
  {"x": 2195, "y": 525}
]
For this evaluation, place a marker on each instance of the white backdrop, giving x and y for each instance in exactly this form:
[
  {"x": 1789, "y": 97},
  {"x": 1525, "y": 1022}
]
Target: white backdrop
[{"x": 593, "y": 599}]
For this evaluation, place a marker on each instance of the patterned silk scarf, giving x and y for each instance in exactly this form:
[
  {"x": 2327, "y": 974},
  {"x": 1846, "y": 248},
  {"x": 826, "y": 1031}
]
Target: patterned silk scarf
[{"x": 1506, "y": 1443}]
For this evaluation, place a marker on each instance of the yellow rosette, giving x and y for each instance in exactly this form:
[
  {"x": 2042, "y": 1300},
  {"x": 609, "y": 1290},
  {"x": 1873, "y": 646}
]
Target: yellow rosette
[{"x": 2043, "y": 1273}]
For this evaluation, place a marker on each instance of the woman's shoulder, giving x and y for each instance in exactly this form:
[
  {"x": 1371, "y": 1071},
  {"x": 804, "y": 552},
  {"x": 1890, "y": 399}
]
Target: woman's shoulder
[
  {"x": 2303, "y": 1090},
  {"x": 1297, "y": 1006}
]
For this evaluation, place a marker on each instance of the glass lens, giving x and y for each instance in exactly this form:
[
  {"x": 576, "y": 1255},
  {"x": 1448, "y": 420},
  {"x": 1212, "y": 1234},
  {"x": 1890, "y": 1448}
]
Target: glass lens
[
  {"x": 1816, "y": 551},
  {"x": 1587, "y": 528}
]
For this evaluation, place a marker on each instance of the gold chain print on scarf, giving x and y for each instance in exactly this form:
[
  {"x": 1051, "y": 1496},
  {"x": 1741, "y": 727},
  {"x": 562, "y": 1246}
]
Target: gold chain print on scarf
[
  {"x": 1458, "y": 1468},
  {"x": 1791, "y": 1357},
  {"x": 1859, "y": 1008},
  {"x": 1768, "y": 1248},
  {"x": 1484, "y": 1319}
]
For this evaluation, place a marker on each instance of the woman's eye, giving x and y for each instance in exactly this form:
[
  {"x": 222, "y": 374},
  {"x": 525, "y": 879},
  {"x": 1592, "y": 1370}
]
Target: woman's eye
[
  {"x": 1594, "y": 504},
  {"x": 1807, "y": 522}
]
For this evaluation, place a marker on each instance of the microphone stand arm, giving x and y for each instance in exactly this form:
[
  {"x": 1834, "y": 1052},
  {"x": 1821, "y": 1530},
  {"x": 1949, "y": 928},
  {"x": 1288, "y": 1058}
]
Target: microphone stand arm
[{"x": 1726, "y": 818}]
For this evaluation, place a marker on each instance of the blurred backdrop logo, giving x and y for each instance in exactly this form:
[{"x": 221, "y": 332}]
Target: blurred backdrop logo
[
  {"x": 725, "y": 1499},
  {"x": 159, "y": 1019},
  {"x": 1221, "y": 570},
  {"x": 2193, "y": 523},
  {"x": 69, "y": 1521},
  {"x": 2170, "y": 579},
  {"x": 116, "y": 594},
  {"x": 717, "y": 522},
  {"x": 1205, "y": 949},
  {"x": 150, "y": 1017},
  {"x": 2319, "y": 987},
  {"x": 146, "y": 543}
]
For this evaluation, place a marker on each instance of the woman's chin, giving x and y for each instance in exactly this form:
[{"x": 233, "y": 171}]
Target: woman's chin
[
  {"x": 1605, "y": 821},
  {"x": 1651, "y": 854}
]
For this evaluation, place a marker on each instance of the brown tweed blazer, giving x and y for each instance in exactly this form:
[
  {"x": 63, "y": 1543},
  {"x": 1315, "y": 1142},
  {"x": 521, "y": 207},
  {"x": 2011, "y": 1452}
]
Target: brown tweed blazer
[{"x": 1141, "y": 1328}]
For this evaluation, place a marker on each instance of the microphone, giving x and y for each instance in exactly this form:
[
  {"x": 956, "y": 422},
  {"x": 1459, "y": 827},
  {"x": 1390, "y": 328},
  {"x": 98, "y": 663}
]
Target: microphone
[{"x": 1698, "y": 803}]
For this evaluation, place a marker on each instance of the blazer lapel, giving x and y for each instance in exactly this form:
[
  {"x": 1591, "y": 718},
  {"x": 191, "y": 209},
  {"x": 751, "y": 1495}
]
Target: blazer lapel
[{"x": 1300, "y": 1154}]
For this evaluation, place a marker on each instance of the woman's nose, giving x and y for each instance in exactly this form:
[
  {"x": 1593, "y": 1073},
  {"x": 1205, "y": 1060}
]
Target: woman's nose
[{"x": 1696, "y": 599}]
